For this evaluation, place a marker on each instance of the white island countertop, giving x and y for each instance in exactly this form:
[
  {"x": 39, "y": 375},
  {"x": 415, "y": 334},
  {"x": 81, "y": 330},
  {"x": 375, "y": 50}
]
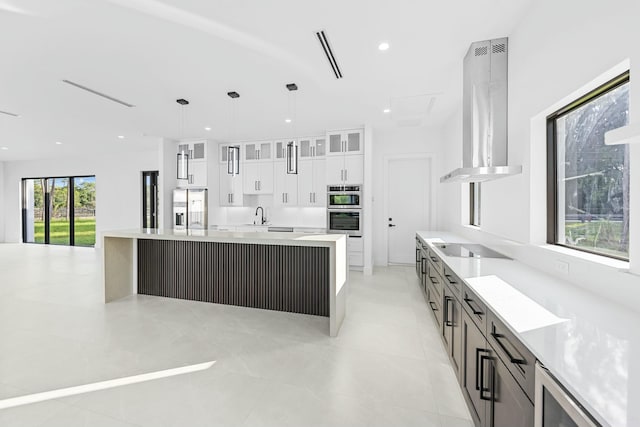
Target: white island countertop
[
  {"x": 591, "y": 345},
  {"x": 262, "y": 238}
]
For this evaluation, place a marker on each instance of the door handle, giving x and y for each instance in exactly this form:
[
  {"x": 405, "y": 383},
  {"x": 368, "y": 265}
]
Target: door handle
[
  {"x": 346, "y": 174},
  {"x": 483, "y": 389},
  {"x": 512, "y": 359},
  {"x": 479, "y": 369},
  {"x": 447, "y": 300}
]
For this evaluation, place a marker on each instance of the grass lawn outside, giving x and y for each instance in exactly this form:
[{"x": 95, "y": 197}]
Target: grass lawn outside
[
  {"x": 600, "y": 235},
  {"x": 85, "y": 232}
]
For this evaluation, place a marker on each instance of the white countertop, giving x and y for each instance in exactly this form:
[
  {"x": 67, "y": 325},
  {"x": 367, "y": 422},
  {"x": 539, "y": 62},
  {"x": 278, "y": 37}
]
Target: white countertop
[
  {"x": 590, "y": 344},
  {"x": 268, "y": 238}
]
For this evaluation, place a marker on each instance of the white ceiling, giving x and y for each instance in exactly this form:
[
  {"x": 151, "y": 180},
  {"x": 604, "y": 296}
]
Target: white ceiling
[{"x": 151, "y": 52}]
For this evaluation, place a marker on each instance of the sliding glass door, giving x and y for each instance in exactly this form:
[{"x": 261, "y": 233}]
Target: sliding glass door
[{"x": 59, "y": 211}]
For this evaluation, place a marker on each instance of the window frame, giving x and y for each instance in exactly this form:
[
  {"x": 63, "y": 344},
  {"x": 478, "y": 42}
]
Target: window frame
[{"x": 552, "y": 160}]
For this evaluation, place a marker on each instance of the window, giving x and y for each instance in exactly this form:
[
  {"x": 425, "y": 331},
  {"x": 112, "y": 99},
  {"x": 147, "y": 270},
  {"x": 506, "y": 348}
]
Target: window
[
  {"x": 588, "y": 181},
  {"x": 59, "y": 211},
  {"x": 474, "y": 204}
]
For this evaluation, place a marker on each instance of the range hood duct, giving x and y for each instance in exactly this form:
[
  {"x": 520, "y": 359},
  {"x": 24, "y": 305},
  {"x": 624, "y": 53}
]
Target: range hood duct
[{"x": 484, "y": 114}]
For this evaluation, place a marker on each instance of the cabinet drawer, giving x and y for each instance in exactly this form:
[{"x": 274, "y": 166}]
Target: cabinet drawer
[
  {"x": 435, "y": 303},
  {"x": 355, "y": 244},
  {"x": 516, "y": 357},
  {"x": 452, "y": 281},
  {"x": 434, "y": 279},
  {"x": 435, "y": 260},
  {"x": 356, "y": 259},
  {"x": 476, "y": 308}
]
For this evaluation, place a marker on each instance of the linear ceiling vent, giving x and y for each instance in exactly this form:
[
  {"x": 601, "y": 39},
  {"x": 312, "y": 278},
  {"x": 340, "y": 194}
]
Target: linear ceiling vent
[
  {"x": 10, "y": 114},
  {"x": 95, "y": 92},
  {"x": 322, "y": 37}
]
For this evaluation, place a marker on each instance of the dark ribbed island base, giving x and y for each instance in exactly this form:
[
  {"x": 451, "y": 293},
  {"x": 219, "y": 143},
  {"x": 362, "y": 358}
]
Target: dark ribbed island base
[{"x": 273, "y": 277}]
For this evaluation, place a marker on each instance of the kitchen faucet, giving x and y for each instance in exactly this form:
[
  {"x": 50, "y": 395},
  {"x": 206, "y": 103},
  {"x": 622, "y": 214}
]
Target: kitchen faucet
[{"x": 263, "y": 220}]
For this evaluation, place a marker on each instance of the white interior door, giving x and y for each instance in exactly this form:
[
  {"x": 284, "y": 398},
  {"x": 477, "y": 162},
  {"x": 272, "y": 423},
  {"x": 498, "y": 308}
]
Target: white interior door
[{"x": 408, "y": 206}]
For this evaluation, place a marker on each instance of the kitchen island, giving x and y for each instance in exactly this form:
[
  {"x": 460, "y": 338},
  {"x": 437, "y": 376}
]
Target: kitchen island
[{"x": 293, "y": 272}]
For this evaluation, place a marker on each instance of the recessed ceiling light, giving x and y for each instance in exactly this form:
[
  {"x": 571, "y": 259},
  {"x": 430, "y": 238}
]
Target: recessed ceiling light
[
  {"x": 207, "y": 128},
  {"x": 287, "y": 120},
  {"x": 386, "y": 110},
  {"x": 58, "y": 143},
  {"x": 4, "y": 148},
  {"x": 121, "y": 136},
  {"x": 383, "y": 46}
]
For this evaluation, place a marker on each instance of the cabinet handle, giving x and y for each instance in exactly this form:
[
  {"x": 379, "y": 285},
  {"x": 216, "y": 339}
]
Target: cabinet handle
[
  {"x": 259, "y": 185},
  {"x": 475, "y": 311},
  {"x": 434, "y": 259},
  {"x": 423, "y": 270},
  {"x": 450, "y": 279},
  {"x": 482, "y": 387},
  {"x": 431, "y": 303},
  {"x": 479, "y": 368},
  {"x": 233, "y": 198},
  {"x": 433, "y": 280},
  {"x": 286, "y": 197},
  {"x": 346, "y": 174},
  {"x": 447, "y": 322},
  {"x": 512, "y": 359}
]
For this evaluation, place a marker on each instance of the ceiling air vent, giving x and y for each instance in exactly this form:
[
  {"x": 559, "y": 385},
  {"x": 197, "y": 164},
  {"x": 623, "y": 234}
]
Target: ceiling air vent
[
  {"x": 480, "y": 51},
  {"x": 10, "y": 114},
  {"x": 498, "y": 48},
  {"x": 95, "y": 92},
  {"x": 322, "y": 37}
]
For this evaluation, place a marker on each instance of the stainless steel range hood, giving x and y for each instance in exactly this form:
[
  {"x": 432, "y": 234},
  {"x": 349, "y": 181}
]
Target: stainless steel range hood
[{"x": 484, "y": 115}]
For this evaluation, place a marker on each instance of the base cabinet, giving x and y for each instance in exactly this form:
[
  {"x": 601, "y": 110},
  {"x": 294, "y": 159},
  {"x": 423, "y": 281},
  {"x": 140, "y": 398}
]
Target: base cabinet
[{"x": 495, "y": 398}]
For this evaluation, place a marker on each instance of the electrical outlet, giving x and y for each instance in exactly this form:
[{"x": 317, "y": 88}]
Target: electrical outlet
[{"x": 561, "y": 267}]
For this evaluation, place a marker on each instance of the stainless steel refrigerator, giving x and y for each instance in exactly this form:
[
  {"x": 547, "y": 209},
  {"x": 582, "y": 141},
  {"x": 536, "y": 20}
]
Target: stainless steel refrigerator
[{"x": 190, "y": 209}]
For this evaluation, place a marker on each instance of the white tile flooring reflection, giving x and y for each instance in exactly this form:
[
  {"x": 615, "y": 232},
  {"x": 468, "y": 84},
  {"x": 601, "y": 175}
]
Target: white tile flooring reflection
[{"x": 387, "y": 367}]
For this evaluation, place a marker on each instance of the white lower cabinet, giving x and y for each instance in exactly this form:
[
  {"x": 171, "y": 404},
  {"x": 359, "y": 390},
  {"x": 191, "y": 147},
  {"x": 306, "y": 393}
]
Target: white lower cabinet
[
  {"x": 312, "y": 183},
  {"x": 355, "y": 251},
  {"x": 286, "y": 186},
  {"x": 230, "y": 188},
  {"x": 257, "y": 177}
]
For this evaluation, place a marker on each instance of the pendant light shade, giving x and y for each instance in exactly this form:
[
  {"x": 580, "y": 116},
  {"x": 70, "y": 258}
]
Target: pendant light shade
[
  {"x": 292, "y": 158},
  {"x": 183, "y": 165},
  {"x": 233, "y": 160}
]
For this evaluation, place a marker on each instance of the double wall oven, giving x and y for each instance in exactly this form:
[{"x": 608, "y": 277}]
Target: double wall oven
[{"x": 344, "y": 209}]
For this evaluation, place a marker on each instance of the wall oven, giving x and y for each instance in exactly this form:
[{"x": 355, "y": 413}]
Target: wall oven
[
  {"x": 344, "y": 196},
  {"x": 555, "y": 407},
  {"x": 345, "y": 221}
]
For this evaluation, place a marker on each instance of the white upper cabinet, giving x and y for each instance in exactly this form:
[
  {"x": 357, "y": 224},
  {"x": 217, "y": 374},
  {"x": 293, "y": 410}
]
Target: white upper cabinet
[
  {"x": 197, "y": 164},
  {"x": 286, "y": 185},
  {"x": 230, "y": 188},
  {"x": 257, "y": 177},
  {"x": 224, "y": 151},
  {"x": 312, "y": 183},
  {"x": 343, "y": 170},
  {"x": 345, "y": 142},
  {"x": 258, "y": 151},
  {"x": 312, "y": 147},
  {"x": 197, "y": 150}
]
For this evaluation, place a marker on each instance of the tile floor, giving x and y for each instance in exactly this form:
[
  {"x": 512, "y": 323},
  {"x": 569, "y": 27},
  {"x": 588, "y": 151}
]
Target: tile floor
[{"x": 387, "y": 367}]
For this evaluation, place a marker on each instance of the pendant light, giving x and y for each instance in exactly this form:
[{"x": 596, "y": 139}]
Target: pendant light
[
  {"x": 292, "y": 146},
  {"x": 233, "y": 151},
  {"x": 182, "y": 170}
]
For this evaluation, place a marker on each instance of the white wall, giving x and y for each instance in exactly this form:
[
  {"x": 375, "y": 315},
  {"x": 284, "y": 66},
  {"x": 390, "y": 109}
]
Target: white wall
[
  {"x": 560, "y": 50},
  {"x": 2, "y": 203},
  {"x": 118, "y": 187},
  {"x": 392, "y": 142}
]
